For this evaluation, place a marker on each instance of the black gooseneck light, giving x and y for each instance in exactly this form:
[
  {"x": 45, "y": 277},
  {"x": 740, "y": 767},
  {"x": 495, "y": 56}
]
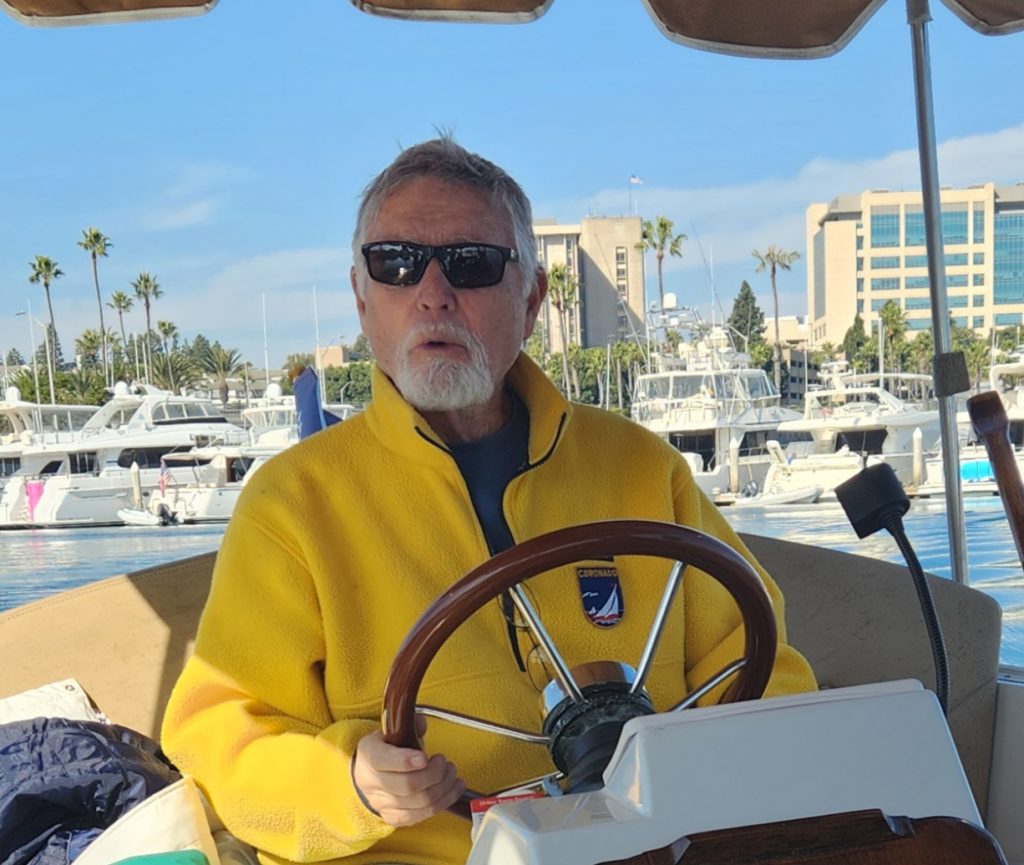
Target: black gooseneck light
[{"x": 874, "y": 499}]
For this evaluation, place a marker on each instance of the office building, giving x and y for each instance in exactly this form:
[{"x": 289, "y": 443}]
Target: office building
[
  {"x": 601, "y": 253},
  {"x": 864, "y": 250}
]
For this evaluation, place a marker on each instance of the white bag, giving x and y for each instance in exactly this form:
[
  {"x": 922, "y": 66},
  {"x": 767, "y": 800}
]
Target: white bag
[{"x": 170, "y": 820}]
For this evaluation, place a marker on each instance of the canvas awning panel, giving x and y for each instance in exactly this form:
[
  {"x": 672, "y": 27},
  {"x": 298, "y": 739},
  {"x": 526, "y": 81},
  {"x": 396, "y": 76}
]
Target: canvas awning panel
[
  {"x": 59, "y": 12},
  {"x": 765, "y": 28}
]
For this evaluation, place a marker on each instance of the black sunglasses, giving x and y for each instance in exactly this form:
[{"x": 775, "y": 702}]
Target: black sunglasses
[{"x": 465, "y": 265}]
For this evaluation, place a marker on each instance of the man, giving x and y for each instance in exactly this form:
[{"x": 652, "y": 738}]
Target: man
[{"x": 340, "y": 543}]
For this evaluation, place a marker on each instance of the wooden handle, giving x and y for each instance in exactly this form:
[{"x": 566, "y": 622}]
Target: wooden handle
[{"x": 988, "y": 417}]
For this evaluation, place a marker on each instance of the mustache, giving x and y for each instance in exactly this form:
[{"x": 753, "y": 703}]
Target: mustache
[{"x": 446, "y": 331}]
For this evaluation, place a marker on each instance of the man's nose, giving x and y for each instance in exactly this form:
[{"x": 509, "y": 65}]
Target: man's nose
[{"x": 435, "y": 292}]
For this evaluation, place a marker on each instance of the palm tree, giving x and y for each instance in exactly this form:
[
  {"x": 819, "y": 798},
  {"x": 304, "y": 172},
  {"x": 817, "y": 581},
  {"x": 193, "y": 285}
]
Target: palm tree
[
  {"x": 562, "y": 289},
  {"x": 658, "y": 236},
  {"x": 219, "y": 363},
  {"x": 96, "y": 243},
  {"x": 168, "y": 330},
  {"x": 147, "y": 289},
  {"x": 45, "y": 270},
  {"x": 121, "y": 303},
  {"x": 771, "y": 261}
]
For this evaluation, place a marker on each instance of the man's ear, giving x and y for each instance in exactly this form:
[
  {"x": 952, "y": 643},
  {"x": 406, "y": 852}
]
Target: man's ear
[
  {"x": 360, "y": 303},
  {"x": 534, "y": 301}
]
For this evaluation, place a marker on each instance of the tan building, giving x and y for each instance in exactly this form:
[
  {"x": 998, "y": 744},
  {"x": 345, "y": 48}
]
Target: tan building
[
  {"x": 864, "y": 250},
  {"x": 601, "y": 253}
]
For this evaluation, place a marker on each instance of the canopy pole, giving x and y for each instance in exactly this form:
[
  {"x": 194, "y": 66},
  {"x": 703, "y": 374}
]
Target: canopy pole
[{"x": 918, "y": 16}]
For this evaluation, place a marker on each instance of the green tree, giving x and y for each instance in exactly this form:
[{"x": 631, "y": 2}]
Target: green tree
[
  {"x": 168, "y": 334},
  {"x": 46, "y": 271},
  {"x": 854, "y": 338},
  {"x": 361, "y": 348},
  {"x": 894, "y": 328},
  {"x": 220, "y": 363},
  {"x": 921, "y": 352},
  {"x": 14, "y": 358},
  {"x": 562, "y": 290},
  {"x": 147, "y": 289},
  {"x": 96, "y": 243},
  {"x": 746, "y": 317},
  {"x": 121, "y": 302},
  {"x": 658, "y": 235},
  {"x": 774, "y": 260},
  {"x": 87, "y": 347}
]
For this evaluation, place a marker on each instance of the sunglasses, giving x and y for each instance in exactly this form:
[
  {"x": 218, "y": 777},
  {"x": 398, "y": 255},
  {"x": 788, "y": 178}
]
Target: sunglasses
[{"x": 465, "y": 265}]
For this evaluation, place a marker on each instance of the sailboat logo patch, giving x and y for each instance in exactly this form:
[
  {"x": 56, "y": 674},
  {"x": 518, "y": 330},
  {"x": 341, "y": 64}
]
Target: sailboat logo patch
[{"x": 601, "y": 595}]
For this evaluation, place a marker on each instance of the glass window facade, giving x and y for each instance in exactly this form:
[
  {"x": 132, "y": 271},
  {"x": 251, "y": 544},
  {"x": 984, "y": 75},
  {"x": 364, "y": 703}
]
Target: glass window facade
[
  {"x": 958, "y": 320},
  {"x": 917, "y": 282},
  {"x": 956, "y": 280},
  {"x": 886, "y": 283},
  {"x": 978, "y": 279},
  {"x": 1008, "y": 271},
  {"x": 919, "y": 324},
  {"x": 885, "y": 225},
  {"x": 979, "y": 258},
  {"x": 916, "y": 261},
  {"x": 1008, "y": 319},
  {"x": 979, "y": 223},
  {"x": 978, "y": 300},
  {"x": 881, "y": 262},
  {"x": 913, "y": 226},
  {"x": 979, "y": 321},
  {"x": 956, "y": 259},
  {"x": 954, "y": 223},
  {"x": 919, "y": 303},
  {"x": 878, "y": 303},
  {"x": 955, "y": 301}
]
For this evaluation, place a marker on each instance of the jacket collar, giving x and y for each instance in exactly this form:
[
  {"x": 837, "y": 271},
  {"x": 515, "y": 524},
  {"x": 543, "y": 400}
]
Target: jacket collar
[{"x": 402, "y": 429}]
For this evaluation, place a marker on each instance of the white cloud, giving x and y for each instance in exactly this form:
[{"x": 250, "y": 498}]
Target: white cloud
[
  {"x": 731, "y": 221},
  {"x": 183, "y": 215}
]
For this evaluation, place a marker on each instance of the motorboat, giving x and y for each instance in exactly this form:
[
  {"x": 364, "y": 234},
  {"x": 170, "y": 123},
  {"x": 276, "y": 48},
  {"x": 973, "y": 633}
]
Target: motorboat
[
  {"x": 218, "y": 476},
  {"x": 27, "y": 424},
  {"x": 867, "y": 764},
  {"x": 766, "y": 498},
  {"x": 718, "y": 410},
  {"x": 87, "y": 481},
  {"x": 853, "y": 422}
]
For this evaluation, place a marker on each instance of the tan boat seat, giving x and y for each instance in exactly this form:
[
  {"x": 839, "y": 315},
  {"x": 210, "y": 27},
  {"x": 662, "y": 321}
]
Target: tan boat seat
[{"x": 857, "y": 620}]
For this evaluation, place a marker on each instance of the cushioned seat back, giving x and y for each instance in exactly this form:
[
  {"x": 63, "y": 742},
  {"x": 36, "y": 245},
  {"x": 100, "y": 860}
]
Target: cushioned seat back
[
  {"x": 858, "y": 620},
  {"x": 124, "y": 639}
]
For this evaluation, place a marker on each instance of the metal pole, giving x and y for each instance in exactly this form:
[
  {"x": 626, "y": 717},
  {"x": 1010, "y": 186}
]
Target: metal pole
[
  {"x": 318, "y": 365},
  {"x": 266, "y": 353},
  {"x": 918, "y": 16}
]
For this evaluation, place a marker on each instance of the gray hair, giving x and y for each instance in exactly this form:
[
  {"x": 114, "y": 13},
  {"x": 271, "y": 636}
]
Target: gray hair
[{"x": 444, "y": 159}]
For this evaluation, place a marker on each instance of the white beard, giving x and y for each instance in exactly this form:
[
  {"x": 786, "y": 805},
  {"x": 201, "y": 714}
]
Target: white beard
[{"x": 439, "y": 384}]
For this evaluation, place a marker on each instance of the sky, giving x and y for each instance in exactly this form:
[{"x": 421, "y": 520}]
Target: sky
[{"x": 225, "y": 154}]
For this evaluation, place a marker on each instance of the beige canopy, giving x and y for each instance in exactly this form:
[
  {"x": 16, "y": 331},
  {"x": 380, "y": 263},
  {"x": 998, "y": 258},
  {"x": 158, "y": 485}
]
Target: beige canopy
[{"x": 771, "y": 28}]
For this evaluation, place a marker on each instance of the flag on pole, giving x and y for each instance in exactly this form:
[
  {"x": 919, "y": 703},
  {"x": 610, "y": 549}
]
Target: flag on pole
[
  {"x": 165, "y": 476},
  {"x": 636, "y": 181}
]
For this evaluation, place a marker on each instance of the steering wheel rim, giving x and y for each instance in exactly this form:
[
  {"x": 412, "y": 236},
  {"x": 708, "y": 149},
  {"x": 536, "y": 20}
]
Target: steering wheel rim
[{"x": 562, "y": 547}]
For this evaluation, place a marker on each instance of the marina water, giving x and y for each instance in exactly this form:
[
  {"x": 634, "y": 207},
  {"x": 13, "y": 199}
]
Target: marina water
[{"x": 40, "y": 562}]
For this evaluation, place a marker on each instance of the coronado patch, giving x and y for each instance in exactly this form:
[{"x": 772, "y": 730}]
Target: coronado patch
[{"x": 601, "y": 595}]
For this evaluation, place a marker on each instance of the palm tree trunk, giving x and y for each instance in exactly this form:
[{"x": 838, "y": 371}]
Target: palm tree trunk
[
  {"x": 53, "y": 326},
  {"x": 661, "y": 284},
  {"x": 103, "y": 328},
  {"x": 124, "y": 339},
  {"x": 562, "y": 326},
  {"x": 147, "y": 345}
]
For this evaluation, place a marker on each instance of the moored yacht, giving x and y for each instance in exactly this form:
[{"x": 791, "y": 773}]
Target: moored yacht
[
  {"x": 86, "y": 481},
  {"x": 855, "y": 421},
  {"x": 715, "y": 408},
  {"x": 29, "y": 424}
]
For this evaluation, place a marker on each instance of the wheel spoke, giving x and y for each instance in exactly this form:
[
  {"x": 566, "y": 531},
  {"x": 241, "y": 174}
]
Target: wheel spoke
[
  {"x": 709, "y": 685},
  {"x": 480, "y": 724},
  {"x": 546, "y": 645},
  {"x": 675, "y": 579}
]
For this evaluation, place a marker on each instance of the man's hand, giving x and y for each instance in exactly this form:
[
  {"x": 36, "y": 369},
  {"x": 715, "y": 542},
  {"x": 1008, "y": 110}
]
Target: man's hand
[{"x": 403, "y": 785}]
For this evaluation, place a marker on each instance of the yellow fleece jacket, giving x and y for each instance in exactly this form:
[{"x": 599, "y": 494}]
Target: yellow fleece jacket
[{"x": 338, "y": 545}]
